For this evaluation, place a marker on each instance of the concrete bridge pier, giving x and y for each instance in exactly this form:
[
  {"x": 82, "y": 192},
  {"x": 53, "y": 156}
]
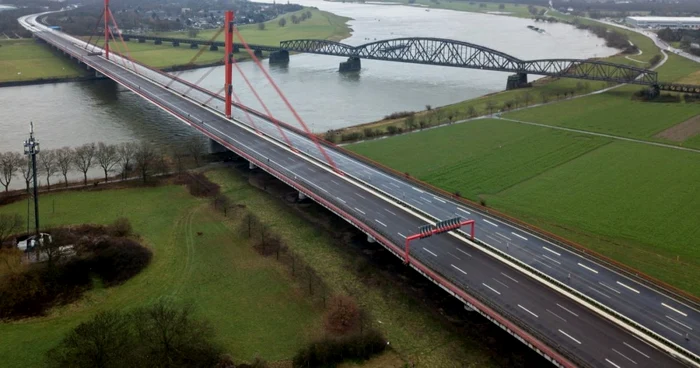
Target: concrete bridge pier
[
  {"x": 236, "y": 48},
  {"x": 216, "y": 147},
  {"x": 518, "y": 80},
  {"x": 258, "y": 53},
  {"x": 302, "y": 196},
  {"x": 158, "y": 42},
  {"x": 142, "y": 40},
  {"x": 194, "y": 46},
  {"x": 176, "y": 43},
  {"x": 213, "y": 48},
  {"x": 352, "y": 65},
  {"x": 371, "y": 239},
  {"x": 251, "y": 165},
  {"x": 279, "y": 57}
]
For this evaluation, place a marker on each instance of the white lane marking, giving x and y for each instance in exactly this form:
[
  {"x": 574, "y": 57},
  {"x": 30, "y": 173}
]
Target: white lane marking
[
  {"x": 497, "y": 233},
  {"x": 459, "y": 269},
  {"x": 514, "y": 280},
  {"x": 599, "y": 292},
  {"x": 527, "y": 310},
  {"x": 674, "y": 309},
  {"x": 613, "y": 364},
  {"x": 519, "y": 236},
  {"x": 588, "y": 268},
  {"x": 560, "y": 306},
  {"x": 494, "y": 239},
  {"x": 454, "y": 256},
  {"x": 459, "y": 250},
  {"x": 463, "y": 210},
  {"x": 401, "y": 235},
  {"x": 359, "y": 210},
  {"x": 340, "y": 199},
  {"x": 381, "y": 223},
  {"x": 439, "y": 200},
  {"x": 633, "y": 348},
  {"x": 542, "y": 263},
  {"x": 551, "y": 251},
  {"x": 556, "y": 315},
  {"x": 491, "y": 223},
  {"x": 569, "y": 336},
  {"x": 360, "y": 195},
  {"x": 389, "y": 212},
  {"x": 506, "y": 286},
  {"x": 551, "y": 259},
  {"x": 624, "y": 356},
  {"x": 601, "y": 283},
  {"x": 679, "y": 322},
  {"x": 428, "y": 250},
  {"x": 417, "y": 190},
  {"x": 669, "y": 328},
  {"x": 621, "y": 284},
  {"x": 394, "y": 185},
  {"x": 335, "y": 182},
  {"x": 492, "y": 289},
  {"x": 426, "y": 199}
]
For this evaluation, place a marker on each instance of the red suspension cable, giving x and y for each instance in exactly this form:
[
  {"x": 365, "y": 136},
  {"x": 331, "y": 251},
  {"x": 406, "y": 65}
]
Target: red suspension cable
[
  {"x": 128, "y": 54},
  {"x": 199, "y": 52},
  {"x": 284, "y": 98},
  {"x": 95, "y": 29}
]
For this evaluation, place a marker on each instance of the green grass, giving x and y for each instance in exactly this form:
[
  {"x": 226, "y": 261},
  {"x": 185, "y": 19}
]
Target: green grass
[
  {"x": 248, "y": 298},
  {"x": 25, "y": 59},
  {"x": 416, "y": 335},
  {"x": 632, "y": 202},
  {"x": 321, "y": 25}
]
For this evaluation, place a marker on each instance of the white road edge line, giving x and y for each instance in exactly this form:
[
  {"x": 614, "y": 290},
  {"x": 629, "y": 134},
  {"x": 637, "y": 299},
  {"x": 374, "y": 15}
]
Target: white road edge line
[
  {"x": 458, "y": 269},
  {"x": 569, "y": 336},
  {"x": 428, "y": 250},
  {"x": 674, "y": 309},
  {"x": 492, "y": 289},
  {"x": 527, "y": 310}
]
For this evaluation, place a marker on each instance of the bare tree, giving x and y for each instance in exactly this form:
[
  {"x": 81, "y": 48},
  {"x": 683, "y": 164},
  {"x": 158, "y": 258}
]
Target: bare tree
[
  {"x": 145, "y": 158},
  {"x": 106, "y": 156},
  {"x": 9, "y": 224},
  {"x": 47, "y": 160},
  {"x": 9, "y": 165},
  {"x": 527, "y": 98},
  {"x": 26, "y": 170},
  {"x": 83, "y": 158},
  {"x": 490, "y": 106},
  {"x": 64, "y": 161},
  {"x": 178, "y": 155},
  {"x": 126, "y": 152},
  {"x": 471, "y": 111},
  {"x": 195, "y": 146}
]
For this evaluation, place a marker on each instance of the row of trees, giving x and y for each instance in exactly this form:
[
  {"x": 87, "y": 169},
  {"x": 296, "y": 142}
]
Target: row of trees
[
  {"x": 126, "y": 158},
  {"x": 296, "y": 19}
]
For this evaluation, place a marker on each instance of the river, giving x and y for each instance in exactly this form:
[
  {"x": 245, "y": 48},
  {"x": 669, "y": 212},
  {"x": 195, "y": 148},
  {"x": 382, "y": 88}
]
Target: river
[{"x": 70, "y": 114}]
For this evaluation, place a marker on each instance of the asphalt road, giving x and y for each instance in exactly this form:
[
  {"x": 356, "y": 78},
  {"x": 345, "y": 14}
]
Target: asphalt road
[{"x": 534, "y": 305}]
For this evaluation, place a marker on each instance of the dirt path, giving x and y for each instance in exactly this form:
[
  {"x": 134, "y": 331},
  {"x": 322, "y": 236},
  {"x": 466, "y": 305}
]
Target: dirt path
[{"x": 682, "y": 131}]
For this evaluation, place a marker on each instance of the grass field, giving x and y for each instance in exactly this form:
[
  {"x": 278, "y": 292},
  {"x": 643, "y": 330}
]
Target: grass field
[
  {"x": 632, "y": 202},
  {"x": 249, "y": 300},
  {"x": 322, "y": 25},
  {"x": 26, "y": 59},
  {"x": 414, "y": 334}
]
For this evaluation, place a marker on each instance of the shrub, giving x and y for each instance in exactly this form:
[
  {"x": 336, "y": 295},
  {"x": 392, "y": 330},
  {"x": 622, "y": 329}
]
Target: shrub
[
  {"x": 392, "y": 129},
  {"x": 121, "y": 227},
  {"x": 117, "y": 260},
  {"x": 342, "y": 315},
  {"x": 329, "y": 352},
  {"x": 354, "y": 136},
  {"x": 199, "y": 185},
  {"x": 398, "y": 115}
]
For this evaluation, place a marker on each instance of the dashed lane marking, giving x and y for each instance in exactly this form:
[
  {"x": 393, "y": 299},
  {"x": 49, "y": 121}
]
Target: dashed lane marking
[
  {"x": 630, "y": 288},
  {"x": 490, "y": 223},
  {"x": 492, "y": 289},
  {"x": 519, "y": 236},
  {"x": 458, "y": 269},
  {"x": 569, "y": 336},
  {"x": 527, "y": 310},
  {"x": 551, "y": 251},
  {"x": 588, "y": 268},
  {"x": 380, "y": 223},
  {"x": 674, "y": 309},
  {"x": 428, "y": 250}
]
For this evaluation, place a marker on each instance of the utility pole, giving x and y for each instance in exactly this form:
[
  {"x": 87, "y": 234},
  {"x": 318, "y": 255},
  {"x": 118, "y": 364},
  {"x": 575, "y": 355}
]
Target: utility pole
[{"x": 31, "y": 148}]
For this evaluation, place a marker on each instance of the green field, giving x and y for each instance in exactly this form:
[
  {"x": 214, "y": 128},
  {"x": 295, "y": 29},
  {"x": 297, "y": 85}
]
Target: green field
[
  {"x": 25, "y": 59},
  {"x": 247, "y": 298},
  {"x": 632, "y": 202},
  {"x": 322, "y": 25}
]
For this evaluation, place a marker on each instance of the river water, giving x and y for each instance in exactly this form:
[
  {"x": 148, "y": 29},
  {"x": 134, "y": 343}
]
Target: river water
[{"x": 70, "y": 114}]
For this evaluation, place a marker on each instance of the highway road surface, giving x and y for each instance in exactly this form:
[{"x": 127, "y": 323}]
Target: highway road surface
[{"x": 560, "y": 322}]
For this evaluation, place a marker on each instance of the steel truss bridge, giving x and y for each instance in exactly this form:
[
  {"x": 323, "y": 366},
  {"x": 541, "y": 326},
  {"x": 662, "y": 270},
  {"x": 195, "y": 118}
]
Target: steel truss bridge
[{"x": 603, "y": 316}]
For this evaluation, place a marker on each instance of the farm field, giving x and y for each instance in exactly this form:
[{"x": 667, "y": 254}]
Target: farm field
[
  {"x": 25, "y": 59},
  {"x": 211, "y": 271},
  {"x": 632, "y": 202}
]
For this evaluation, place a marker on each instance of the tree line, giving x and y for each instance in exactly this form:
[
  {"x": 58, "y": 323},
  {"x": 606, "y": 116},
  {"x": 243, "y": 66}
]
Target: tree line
[{"x": 127, "y": 159}]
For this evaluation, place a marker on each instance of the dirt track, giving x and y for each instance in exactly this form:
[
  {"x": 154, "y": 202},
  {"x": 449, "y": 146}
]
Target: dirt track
[{"x": 682, "y": 131}]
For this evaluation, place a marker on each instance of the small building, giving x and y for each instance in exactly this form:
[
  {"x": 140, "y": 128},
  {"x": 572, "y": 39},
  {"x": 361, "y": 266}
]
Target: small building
[{"x": 664, "y": 22}]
